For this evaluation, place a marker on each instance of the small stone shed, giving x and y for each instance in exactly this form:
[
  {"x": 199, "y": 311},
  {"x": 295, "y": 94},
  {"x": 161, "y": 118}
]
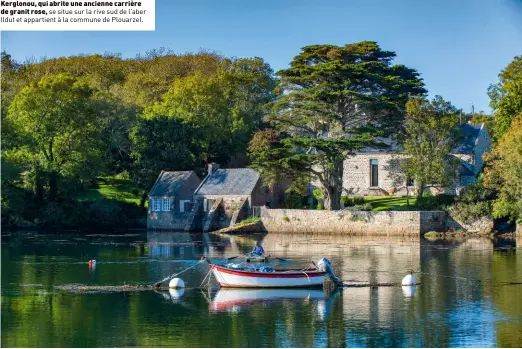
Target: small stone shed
[
  {"x": 170, "y": 199},
  {"x": 227, "y": 195}
]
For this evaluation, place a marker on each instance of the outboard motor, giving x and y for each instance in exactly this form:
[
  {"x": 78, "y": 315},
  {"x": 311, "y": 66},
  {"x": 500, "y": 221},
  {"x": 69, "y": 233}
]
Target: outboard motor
[{"x": 325, "y": 265}]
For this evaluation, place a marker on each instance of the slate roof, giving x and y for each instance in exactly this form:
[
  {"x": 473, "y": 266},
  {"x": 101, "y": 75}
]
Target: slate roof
[
  {"x": 465, "y": 170},
  {"x": 169, "y": 183},
  {"x": 227, "y": 182},
  {"x": 469, "y": 134}
]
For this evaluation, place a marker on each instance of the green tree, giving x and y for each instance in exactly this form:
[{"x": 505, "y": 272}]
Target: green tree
[
  {"x": 11, "y": 83},
  {"x": 489, "y": 120},
  {"x": 225, "y": 107},
  {"x": 429, "y": 140},
  {"x": 158, "y": 144},
  {"x": 506, "y": 96},
  {"x": 335, "y": 100},
  {"x": 503, "y": 172},
  {"x": 273, "y": 157},
  {"x": 116, "y": 120},
  {"x": 54, "y": 119}
]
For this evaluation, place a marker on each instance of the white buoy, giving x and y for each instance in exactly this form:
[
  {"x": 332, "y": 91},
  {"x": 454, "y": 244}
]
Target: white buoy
[
  {"x": 176, "y": 283},
  {"x": 409, "y": 280},
  {"x": 176, "y": 294}
]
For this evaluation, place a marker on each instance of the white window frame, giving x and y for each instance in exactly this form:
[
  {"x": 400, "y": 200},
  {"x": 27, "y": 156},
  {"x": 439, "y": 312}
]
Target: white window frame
[
  {"x": 182, "y": 205},
  {"x": 165, "y": 205},
  {"x": 155, "y": 205},
  {"x": 374, "y": 185}
]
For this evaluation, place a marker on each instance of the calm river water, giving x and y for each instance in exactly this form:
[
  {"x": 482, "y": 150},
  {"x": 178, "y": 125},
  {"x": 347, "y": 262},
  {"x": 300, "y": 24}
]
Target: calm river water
[{"x": 463, "y": 300}]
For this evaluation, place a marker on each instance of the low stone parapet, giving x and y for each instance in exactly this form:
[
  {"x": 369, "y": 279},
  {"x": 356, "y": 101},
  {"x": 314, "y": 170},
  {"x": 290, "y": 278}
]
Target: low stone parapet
[
  {"x": 389, "y": 223},
  {"x": 482, "y": 225}
]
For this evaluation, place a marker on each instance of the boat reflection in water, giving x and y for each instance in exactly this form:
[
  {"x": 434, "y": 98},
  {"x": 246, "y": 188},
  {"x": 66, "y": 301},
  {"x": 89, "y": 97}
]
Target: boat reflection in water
[{"x": 233, "y": 300}]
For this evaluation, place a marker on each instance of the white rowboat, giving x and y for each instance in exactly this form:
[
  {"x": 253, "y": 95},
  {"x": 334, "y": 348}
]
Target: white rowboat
[{"x": 228, "y": 277}]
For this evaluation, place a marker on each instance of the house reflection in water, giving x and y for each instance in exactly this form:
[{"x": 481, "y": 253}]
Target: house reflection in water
[
  {"x": 456, "y": 303},
  {"x": 172, "y": 245}
]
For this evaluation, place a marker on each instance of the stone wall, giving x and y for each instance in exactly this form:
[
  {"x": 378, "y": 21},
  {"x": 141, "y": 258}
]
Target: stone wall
[
  {"x": 167, "y": 220},
  {"x": 482, "y": 225},
  {"x": 226, "y": 212},
  {"x": 356, "y": 176},
  {"x": 389, "y": 223},
  {"x": 357, "y": 173}
]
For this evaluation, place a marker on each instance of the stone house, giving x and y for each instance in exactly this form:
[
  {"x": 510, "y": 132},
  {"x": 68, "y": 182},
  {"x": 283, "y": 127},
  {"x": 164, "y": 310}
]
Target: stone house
[
  {"x": 226, "y": 196},
  {"x": 170, "y": 200},
  {"x": 375, "y": 172},
  {"x": 180, "y": 201}
]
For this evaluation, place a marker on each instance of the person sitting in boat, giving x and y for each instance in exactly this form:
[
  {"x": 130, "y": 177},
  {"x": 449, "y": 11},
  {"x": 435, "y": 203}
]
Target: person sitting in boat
[{"x": 258, "y": 249}]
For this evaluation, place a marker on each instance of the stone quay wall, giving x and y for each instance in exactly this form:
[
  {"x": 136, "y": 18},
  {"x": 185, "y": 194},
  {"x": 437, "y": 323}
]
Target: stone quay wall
[
  {"x": 482, "y": 225},
  {"x": 388, "y": 223},
  {"x": 168, "y": 220}
]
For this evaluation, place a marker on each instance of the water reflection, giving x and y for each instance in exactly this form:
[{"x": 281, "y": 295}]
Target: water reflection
[
  {"x": 176, "y": 294},
  {"x": 460, "y": 302},
  {"x": 168, "y": 245},
  {"x": 237, "y": 299},
  {"x": 408, "y": 291}
]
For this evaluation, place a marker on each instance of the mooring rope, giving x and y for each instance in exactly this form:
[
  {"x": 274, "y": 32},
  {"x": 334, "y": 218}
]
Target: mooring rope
[
  {"x": 302, "y": 271},
  {"x": 202, "y": 282},
  {"x": 173, "y": 275},
  {"x": 373, "y": 284}
]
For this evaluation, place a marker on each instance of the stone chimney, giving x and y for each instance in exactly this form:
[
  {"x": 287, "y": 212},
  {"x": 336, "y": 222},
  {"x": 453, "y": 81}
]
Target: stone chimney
[{"x": 212, "y": 167}]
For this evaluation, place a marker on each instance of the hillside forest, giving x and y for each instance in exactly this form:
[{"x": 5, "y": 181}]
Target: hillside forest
[{"x": 85, "y": 137}]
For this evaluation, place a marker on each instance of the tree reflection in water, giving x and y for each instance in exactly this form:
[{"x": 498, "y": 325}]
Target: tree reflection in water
[{"x": 458, "y": 303}]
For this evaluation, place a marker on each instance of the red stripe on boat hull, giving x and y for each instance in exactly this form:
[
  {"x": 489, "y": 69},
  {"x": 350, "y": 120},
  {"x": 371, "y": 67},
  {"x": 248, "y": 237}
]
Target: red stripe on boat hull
[
  {"x": 282, "y": 286},
  {"x": 277, "y": 275}
]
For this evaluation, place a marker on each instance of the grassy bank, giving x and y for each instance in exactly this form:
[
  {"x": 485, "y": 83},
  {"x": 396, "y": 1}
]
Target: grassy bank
[
  {"x": 112, "y": 188},
  {"x": 389, "y": 203},
  {"x": 114, "y": 203}
]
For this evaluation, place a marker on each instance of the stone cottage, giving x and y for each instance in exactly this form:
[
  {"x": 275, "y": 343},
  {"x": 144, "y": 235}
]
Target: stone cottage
[
  {"x": 170, "y": 200},
  {"x": 374, "y": 172},
  {"x": 227, "y": 195}
]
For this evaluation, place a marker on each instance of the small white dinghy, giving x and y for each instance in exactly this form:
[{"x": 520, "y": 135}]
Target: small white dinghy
[{"x": 266, "y": 277}]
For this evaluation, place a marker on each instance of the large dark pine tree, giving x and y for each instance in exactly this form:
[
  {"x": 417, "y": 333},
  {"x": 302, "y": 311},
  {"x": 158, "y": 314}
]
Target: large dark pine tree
[{"x": 335, "y": 100}]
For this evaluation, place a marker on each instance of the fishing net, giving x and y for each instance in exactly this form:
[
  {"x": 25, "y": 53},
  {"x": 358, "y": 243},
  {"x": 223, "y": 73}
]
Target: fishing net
[{"x": 80, "y": 288}]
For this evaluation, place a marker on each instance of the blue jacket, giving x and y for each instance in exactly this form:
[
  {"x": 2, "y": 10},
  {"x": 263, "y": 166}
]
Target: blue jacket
[{"x": 258, "y": 250}]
